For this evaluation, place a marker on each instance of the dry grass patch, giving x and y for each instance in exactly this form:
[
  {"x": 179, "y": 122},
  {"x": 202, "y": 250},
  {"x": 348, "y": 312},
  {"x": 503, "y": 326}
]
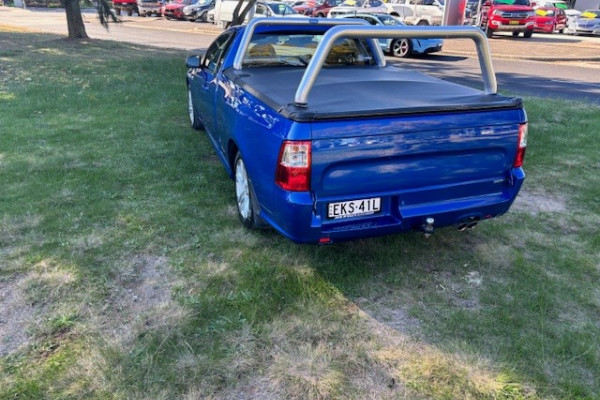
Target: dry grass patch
[
  {"x": 140, "y": 299},
  {"x": 16, "y": 315},
  {"x": 538, "y": 201}
]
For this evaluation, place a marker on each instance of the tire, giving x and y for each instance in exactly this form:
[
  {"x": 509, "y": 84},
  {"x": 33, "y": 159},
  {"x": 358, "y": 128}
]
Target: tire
[
  {"x": 244, "y": 195},
  {"x": 528, "y": 34},
  {"x": 401, "y": 48},
  {"x": 515, "y": 34},
  {"x": 561, "y": 31},
  {"x": 423, "y": 23},
  {"x": 204, "y": 17},
  {"x": 195, "y": 120},
  {"x": 129, "y": 13},
  {"x": 489, "y": 32}
]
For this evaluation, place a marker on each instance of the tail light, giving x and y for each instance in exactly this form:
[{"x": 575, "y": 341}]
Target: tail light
[
  {"x": 522, "y": 146},
  {"x": 293, "y": 166}
]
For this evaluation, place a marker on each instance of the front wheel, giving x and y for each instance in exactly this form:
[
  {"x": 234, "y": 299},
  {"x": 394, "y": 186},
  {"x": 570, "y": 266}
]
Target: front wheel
[
  {"x": 195, "y": 121},
  {"x": 489, "y": 32},
  {"x": 528, "y": 34},
  {"x": 244, "y": 195},
  {"x": 401, "y": 47}
]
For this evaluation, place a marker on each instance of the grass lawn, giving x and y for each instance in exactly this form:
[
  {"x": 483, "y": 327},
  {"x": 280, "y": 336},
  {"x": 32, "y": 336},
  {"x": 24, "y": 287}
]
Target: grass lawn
[{"x": 125, "y": 273}]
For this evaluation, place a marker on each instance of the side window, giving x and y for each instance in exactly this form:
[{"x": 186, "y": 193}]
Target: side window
[{"x": 214, "y": 55}]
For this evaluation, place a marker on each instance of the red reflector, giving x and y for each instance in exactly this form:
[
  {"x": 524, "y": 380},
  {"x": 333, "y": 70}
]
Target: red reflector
[
  {"x": 324, "y": 240},
  {"x": 293, "y": 166},
  {"x": 521, "y": 147}
]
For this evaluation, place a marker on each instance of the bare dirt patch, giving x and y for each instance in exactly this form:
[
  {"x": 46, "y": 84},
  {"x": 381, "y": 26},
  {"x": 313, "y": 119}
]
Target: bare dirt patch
[
  {"x": 140, "y": 299},
  {"x": 16, "y": 313},
  {"x": 535, "y": 202}
]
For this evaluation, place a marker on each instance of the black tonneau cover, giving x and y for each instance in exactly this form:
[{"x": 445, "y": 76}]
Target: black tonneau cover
[{"x": 356, "y": 92}]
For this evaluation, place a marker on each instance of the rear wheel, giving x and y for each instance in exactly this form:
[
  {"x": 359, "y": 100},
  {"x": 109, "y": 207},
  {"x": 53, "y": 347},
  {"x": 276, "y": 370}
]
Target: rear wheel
[
  {"x": 489, "y": 32},
  {"x": 401, "y": 47},
  {"x": 246, "y": 204},
  {"x": 515, "y": 34},
  {"x": 528, "y": 34},
  {"x": 195, "y": 121}
]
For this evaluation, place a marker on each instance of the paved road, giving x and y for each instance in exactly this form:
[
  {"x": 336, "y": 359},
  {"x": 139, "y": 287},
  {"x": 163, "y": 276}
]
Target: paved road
[
  {"x": 564, "y": 80},
  {"x": 558, "y": 66}
]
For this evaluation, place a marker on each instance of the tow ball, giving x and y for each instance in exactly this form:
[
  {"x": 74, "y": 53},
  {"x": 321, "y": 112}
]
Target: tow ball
[{"x": 427, "y": 227}]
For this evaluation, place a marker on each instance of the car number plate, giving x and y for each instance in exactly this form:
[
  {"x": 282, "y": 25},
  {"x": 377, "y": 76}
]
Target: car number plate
[
  {"x": 354, "y": 208},
  {"x": 513, "y": 22}
]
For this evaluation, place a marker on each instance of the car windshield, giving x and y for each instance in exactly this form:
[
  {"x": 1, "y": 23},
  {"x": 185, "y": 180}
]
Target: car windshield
[
  {"x": 296, "y": 50},
  {"x": 353, "y": 3},
  {"x": 389, "y": 20},
  {"x": 545, "y": 12},
  {"x": 590, "y": 14},
  {"x": 281, "y": 9}
]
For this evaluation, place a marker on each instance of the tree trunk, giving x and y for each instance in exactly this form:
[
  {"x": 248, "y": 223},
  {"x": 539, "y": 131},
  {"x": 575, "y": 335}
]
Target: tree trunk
[
  {"x": 239, "y": 17},
  {"x": 75, "y": 20}
]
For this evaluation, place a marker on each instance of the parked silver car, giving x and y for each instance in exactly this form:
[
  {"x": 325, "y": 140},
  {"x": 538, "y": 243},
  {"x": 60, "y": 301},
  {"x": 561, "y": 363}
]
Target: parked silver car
[{"x": 588, "y": 23}]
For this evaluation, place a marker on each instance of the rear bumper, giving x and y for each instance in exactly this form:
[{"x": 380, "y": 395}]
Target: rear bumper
[{"x": 304, "y": 221}]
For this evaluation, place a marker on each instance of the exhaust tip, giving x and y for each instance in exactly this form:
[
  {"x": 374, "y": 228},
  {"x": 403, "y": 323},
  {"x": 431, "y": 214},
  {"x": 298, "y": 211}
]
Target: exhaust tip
[{"x": 472, "y": 225}]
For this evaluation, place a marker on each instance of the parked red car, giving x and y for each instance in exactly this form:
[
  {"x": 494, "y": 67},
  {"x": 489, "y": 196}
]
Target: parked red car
[
  {"x": 318, "y": 9},
  {"x": 174, "y": 9},
  {"x": 514, "y": 16},
  {"x": 550, "y": 19}
]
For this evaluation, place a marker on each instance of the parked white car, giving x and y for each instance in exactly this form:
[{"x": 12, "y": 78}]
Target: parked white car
[
  {"x": 572, "y": 16},
  {"x": 417, "y": 12},
  {"x": 358, "y": 6}
]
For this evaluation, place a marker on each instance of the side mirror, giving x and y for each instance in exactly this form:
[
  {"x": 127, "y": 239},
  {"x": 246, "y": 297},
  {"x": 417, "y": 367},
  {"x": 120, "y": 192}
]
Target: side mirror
[{"x": 195, "y": 61}]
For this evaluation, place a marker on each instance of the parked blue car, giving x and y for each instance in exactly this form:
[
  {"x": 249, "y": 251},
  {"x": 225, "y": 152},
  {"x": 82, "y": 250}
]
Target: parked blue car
[
  {"x": 326, "y": 142},
  {"x": 400, "y": 47}
]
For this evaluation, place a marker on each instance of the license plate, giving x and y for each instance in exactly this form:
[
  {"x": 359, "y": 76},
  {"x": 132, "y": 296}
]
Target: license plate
[
  {"x": 513, "y": 22},
  {"x": 354, "y": 208}
]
